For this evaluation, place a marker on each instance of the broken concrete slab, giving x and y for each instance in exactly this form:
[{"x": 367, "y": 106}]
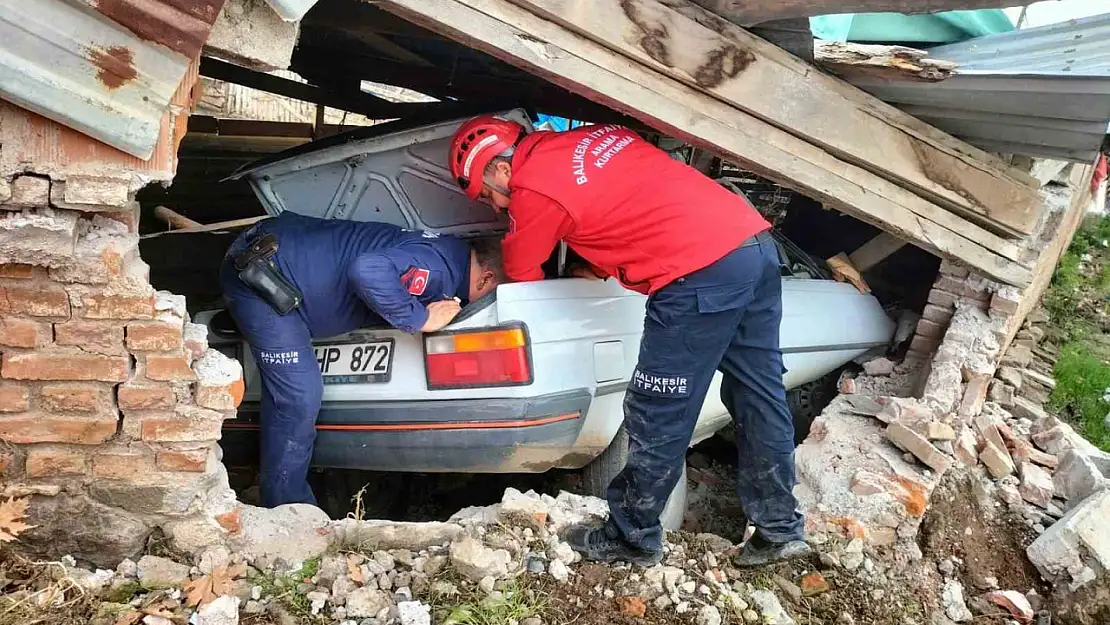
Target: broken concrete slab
[
  {"x": 1076, "y": 549},
  {"x": 351, "y": 534},
  {"x": 283, "y": 537},
  {"x": 251, "y": 33},
  {"x": 1077, "y": 478}
]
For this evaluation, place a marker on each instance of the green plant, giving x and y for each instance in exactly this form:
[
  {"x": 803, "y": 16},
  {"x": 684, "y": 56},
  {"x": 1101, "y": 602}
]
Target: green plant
[
  {"x": 1082, "y": 379},
  {"x": 514, "y": 604}
]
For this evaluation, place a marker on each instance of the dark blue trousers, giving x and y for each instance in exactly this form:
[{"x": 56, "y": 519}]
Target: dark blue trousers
[
  {"x": 291, "y": 388},
  {"x": 725, "y": 316}
]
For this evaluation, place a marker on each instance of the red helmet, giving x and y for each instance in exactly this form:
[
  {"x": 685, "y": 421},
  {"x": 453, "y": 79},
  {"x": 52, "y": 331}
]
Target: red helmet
[{"x": 475, "y": 144}]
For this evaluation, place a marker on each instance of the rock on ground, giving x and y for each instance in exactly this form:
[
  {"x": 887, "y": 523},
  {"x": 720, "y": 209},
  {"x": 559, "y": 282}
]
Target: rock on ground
[
  {"x": 286, "y": 535},
  {"x": 389, "y": 535},
  {"x": 156, "y": 573},
  {"x": 80, "y": 527},
  {"x": 1077, "y": 546},
  {"x": 414, "y": 613},
  {"x": 770, "y": 609},
  {"x": 223, "y": 611},
  {"x": 954, "y": 605},
  {"x": 1077, "y": 477},
  {"x": 476, "y": 561},
  {"x": 368, "y": 602},
  {"x": 709, "y": 615}
]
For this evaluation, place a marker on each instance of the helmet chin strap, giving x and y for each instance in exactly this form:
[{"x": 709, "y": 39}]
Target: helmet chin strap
[{"x": 500, "y": 189}]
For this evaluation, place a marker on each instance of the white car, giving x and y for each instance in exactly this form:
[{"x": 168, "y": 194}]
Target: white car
[{"x": 528, "y": 379}]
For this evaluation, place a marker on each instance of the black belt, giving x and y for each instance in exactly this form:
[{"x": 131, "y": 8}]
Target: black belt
[{"x": 258, "y": 271}]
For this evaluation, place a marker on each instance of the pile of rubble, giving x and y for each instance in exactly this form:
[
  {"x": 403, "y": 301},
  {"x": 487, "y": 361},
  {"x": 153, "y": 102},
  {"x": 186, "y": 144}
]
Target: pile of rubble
[{"x": 385, "y": 573}]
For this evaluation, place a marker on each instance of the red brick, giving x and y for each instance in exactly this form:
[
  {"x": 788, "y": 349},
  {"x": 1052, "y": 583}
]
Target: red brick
[
  {"x": 937, "y": 314},
  {"x": 1003, "y": 305},
  {"x": 943, "y": 298},
  {"x": 188, "y": 424},
  {"x": 122, "y": 465},
  {"x": 924, "y": 344},
  {"x": 173, "y": 368},
  {"x": 40, "y": 428},
  {"x": 930, "y": 329},
  {"x": 101, "y": 337},
  {"x": 117, "y": 307},
  {"x": 37, "y": 302},
  {"x": 75, "y": 398},
  {"x": 226, "y": 397},
  {"x": 192, "y": 460},
  {"x": 52, "y": 461},
  {"x": 16, "y": 332},
  {"x": 7, "y": 462},
  {"x": 13, "y": 398},
  {"x": 154, "y": 336},
  {"x": 129, "y": 217},
  {"x": 145, "y": 397},
  {"x": 17, "y": 271},
  {"x": 65, "y": 366},
  {"x": 949, "y": 284},
  {"x": 974, "y": 396},
  {"x": 979, "y": 295},
  {"x": 955, "y": 270}
]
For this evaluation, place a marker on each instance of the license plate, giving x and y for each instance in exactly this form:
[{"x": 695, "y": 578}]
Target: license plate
[{"x": 355, "y": 363}]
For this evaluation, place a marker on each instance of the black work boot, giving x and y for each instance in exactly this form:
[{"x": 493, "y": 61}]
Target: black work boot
[
  {"x": 761, "y": 552},
  {"x": 598, "y": 544}
]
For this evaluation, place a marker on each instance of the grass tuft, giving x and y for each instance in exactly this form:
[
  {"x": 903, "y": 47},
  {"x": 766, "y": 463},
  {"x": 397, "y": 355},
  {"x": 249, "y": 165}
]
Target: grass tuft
[{"x": 1077, "y": 301}]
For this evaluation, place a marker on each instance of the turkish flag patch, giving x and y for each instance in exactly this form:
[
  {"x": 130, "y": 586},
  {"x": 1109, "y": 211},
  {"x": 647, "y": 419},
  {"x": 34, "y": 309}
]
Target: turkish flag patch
[{"x": 415, "y": 280}]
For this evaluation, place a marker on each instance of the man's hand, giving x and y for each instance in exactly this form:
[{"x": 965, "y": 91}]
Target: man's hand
[
  {"x": 579, "y": 271},
  {"x": 440, "y": 314}
]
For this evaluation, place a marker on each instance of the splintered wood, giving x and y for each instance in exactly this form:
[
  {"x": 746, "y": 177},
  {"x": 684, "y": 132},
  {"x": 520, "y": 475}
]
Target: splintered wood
[
  {"x": 889, "y": 62},
  {"x": 843, "y": 270},
  {"x": 697, "y": 77}
]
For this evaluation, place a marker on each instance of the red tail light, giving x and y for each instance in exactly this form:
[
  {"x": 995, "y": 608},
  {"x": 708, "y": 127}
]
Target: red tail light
[{"x": 477, "y": 358}]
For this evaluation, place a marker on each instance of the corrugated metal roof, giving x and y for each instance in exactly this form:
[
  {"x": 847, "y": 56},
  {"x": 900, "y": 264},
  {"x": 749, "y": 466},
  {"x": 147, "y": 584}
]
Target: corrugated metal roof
[
  {"x": 107, "y": 69},
  {"x": 1039, "y": 92}
]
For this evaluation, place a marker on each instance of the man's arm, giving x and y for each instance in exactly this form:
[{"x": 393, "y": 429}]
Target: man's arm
[
  {"x": 537, "y": 224},
  {"x": 376, "y": 277}
]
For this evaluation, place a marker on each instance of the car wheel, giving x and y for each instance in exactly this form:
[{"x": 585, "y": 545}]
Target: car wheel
[
  {"x": 807, "y": 401},
  {"x": 597, "y": 475}
]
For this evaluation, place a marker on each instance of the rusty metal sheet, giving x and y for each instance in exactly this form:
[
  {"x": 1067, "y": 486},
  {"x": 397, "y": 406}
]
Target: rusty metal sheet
[
  {"x": 111, "y": 80},
  {"x": 180, "y": 25}
]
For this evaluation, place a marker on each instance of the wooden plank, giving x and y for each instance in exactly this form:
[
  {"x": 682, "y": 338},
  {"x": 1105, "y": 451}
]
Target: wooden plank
[
  {"x": 747, "y": 12},
  {"x": 750, "y": 74},
  {"x": 876, "y": 250},
  {"x": 897, "y": 63},
  {"x": 545, "y": 49}
]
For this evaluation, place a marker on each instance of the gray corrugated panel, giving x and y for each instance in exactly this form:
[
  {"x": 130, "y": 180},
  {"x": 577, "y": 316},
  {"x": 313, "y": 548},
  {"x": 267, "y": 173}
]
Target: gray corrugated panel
[
  {"x": 1038, "y": 92},
  {"x": 1074, "y": 46},
  {"x": 1036, "y": 115},
  {"x": 72, "y": 64}
]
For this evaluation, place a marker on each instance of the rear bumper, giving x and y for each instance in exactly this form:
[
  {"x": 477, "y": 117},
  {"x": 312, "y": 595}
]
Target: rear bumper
[{"x": 525, "y": 435}]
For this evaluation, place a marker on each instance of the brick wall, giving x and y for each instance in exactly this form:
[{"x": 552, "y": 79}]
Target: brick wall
[
  {"x": 96, "y": 377},
  {"x": 111, "y": 402}
]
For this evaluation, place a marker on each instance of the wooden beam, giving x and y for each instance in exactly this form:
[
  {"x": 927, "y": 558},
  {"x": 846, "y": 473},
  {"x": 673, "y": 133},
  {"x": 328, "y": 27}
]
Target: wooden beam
[
  {"x": 550, "y": 51},
  {"x": 876, "y": 251},
  {"x": 747, "y": 12},
  {"x": 361, "y": 103},
  {"x": 734, "y": 66}
]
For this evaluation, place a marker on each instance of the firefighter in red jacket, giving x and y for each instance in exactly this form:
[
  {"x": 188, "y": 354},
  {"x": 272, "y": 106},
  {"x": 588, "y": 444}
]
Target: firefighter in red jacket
[{"x": 706, "y": 260}]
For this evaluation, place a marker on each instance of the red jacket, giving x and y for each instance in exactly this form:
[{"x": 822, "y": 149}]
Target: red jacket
[{"x": 622, "y": 204}]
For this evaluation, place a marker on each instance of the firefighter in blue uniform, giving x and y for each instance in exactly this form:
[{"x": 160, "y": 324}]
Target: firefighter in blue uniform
[{"x": 293, "y": 278}]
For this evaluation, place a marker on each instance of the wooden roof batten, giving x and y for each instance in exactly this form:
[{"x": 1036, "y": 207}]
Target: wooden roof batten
[{"x": 685, "y": 71}]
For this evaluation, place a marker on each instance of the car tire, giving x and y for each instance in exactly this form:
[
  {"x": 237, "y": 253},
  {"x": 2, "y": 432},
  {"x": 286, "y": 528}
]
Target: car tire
[
  {"x": 807, "y": 401},
  {"x": 597, "y": 475}
]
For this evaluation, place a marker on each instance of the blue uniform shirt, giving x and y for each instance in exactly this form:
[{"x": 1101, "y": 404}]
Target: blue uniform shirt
[{"x": 356, "y": 274}]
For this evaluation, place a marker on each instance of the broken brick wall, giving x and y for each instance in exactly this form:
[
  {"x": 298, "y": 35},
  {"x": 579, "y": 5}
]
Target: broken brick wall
[
  {"x": 110, "y": 400},
  {"x": 955, "y": 285}
]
